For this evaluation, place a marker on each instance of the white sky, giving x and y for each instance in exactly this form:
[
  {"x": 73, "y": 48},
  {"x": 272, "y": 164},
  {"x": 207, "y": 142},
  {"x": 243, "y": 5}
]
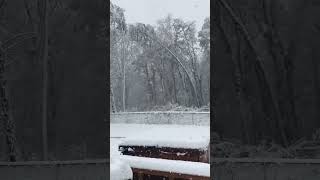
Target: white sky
[{"x": 149, "y": 11}]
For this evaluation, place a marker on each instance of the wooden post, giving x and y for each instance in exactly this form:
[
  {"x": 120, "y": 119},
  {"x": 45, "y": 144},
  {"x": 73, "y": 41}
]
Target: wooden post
[
  {"x": 171, "y": 177},
  {"x": 140, "y": 175}
]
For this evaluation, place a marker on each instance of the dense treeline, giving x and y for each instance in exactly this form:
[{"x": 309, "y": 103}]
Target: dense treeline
[
  {"x": 155, "y": 66},
  {"x": 265, "y": 69},
  {"x": 76, "y": 101}
]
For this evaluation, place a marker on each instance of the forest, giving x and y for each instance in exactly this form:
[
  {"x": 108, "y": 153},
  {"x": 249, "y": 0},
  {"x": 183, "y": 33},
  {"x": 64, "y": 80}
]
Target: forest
[
  {"x": 158, "y": 67},
  {"x": 265, "y": 72}
]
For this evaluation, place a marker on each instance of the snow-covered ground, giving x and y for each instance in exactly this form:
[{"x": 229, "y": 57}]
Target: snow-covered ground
[
  {"x": 175, "y": 136},
  {"x": 120, "y": 169},
  {"x": 162, "y": 117},
  {"x": 181, "y": 136}
]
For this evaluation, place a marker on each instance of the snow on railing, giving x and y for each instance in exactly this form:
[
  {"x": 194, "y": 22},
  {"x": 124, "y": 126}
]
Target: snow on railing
[{"x": 164, "y": 165}]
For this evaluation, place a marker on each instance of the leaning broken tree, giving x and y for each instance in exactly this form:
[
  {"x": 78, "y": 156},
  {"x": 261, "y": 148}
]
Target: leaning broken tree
[{"x": 143, "y": 30}]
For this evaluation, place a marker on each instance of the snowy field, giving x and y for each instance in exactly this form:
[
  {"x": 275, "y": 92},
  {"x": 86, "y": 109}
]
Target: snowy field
[
  {"x": 162, "y": 117},
  {"x": 180, "y": 136},
  {"x": 183, "y": 136}
]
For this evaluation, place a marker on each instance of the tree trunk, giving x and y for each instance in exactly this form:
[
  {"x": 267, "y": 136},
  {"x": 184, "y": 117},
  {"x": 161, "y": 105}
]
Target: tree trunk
[
  {"x": 43, "y": 56},
  {"x": 9, "y": 124},
  {"x": 123, "y": 86},
  {"x": 283, "y": 68},
  {"x": 316, "y": 87},
  {"x": 174, "y": 84},
  {"x": 113, "y": 105},
  {"x": 153, "y": 80},
  {"x": 149, "y": 85},
  {"x": 162, "y": 76},
  {"x": 263, "y": 92}
]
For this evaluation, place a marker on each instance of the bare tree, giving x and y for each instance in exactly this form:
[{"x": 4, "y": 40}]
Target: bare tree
[
  {"x": 43, "y": 56},
  {"x": 8, "y": 120}
]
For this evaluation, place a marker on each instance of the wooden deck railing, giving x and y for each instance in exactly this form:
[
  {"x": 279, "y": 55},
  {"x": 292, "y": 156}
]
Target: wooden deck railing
[
  {"x": 142, "y": 174},
  {"x": 145, "y": 168},
  {"x": 195, "y": 155}
]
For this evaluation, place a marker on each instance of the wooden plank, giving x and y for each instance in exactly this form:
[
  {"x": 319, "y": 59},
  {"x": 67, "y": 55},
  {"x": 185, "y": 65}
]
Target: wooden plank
[
  {"x": 168, "y": 174},
  {"x": 195, "y": 155}
]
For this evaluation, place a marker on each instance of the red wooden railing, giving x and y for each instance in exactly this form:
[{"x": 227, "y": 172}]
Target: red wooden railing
[{"x": 183, "y": 154}]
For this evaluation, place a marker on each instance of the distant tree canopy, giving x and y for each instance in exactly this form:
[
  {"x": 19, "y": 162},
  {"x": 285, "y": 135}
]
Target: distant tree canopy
[
  {"x": 77, "y": 76},
  {"x": 155, "y": 66},
  {"x": 265, "y": 69}
]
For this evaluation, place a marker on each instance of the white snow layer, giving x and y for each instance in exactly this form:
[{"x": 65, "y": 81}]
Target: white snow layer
[
  {"x": 120, "y": 170},
  {"x": 174, "y": 166},
  {"x": 175, "y": 136}
]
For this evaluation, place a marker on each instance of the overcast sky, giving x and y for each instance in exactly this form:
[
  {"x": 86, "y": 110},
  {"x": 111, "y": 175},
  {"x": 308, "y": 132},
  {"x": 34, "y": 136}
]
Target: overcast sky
[{"x": 149, "y": 11}]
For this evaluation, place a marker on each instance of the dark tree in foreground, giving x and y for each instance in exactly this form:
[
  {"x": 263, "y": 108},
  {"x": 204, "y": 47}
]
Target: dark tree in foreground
[
  {"x": 265, "y": 70},
  {"x": 76, "y": 89}
]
